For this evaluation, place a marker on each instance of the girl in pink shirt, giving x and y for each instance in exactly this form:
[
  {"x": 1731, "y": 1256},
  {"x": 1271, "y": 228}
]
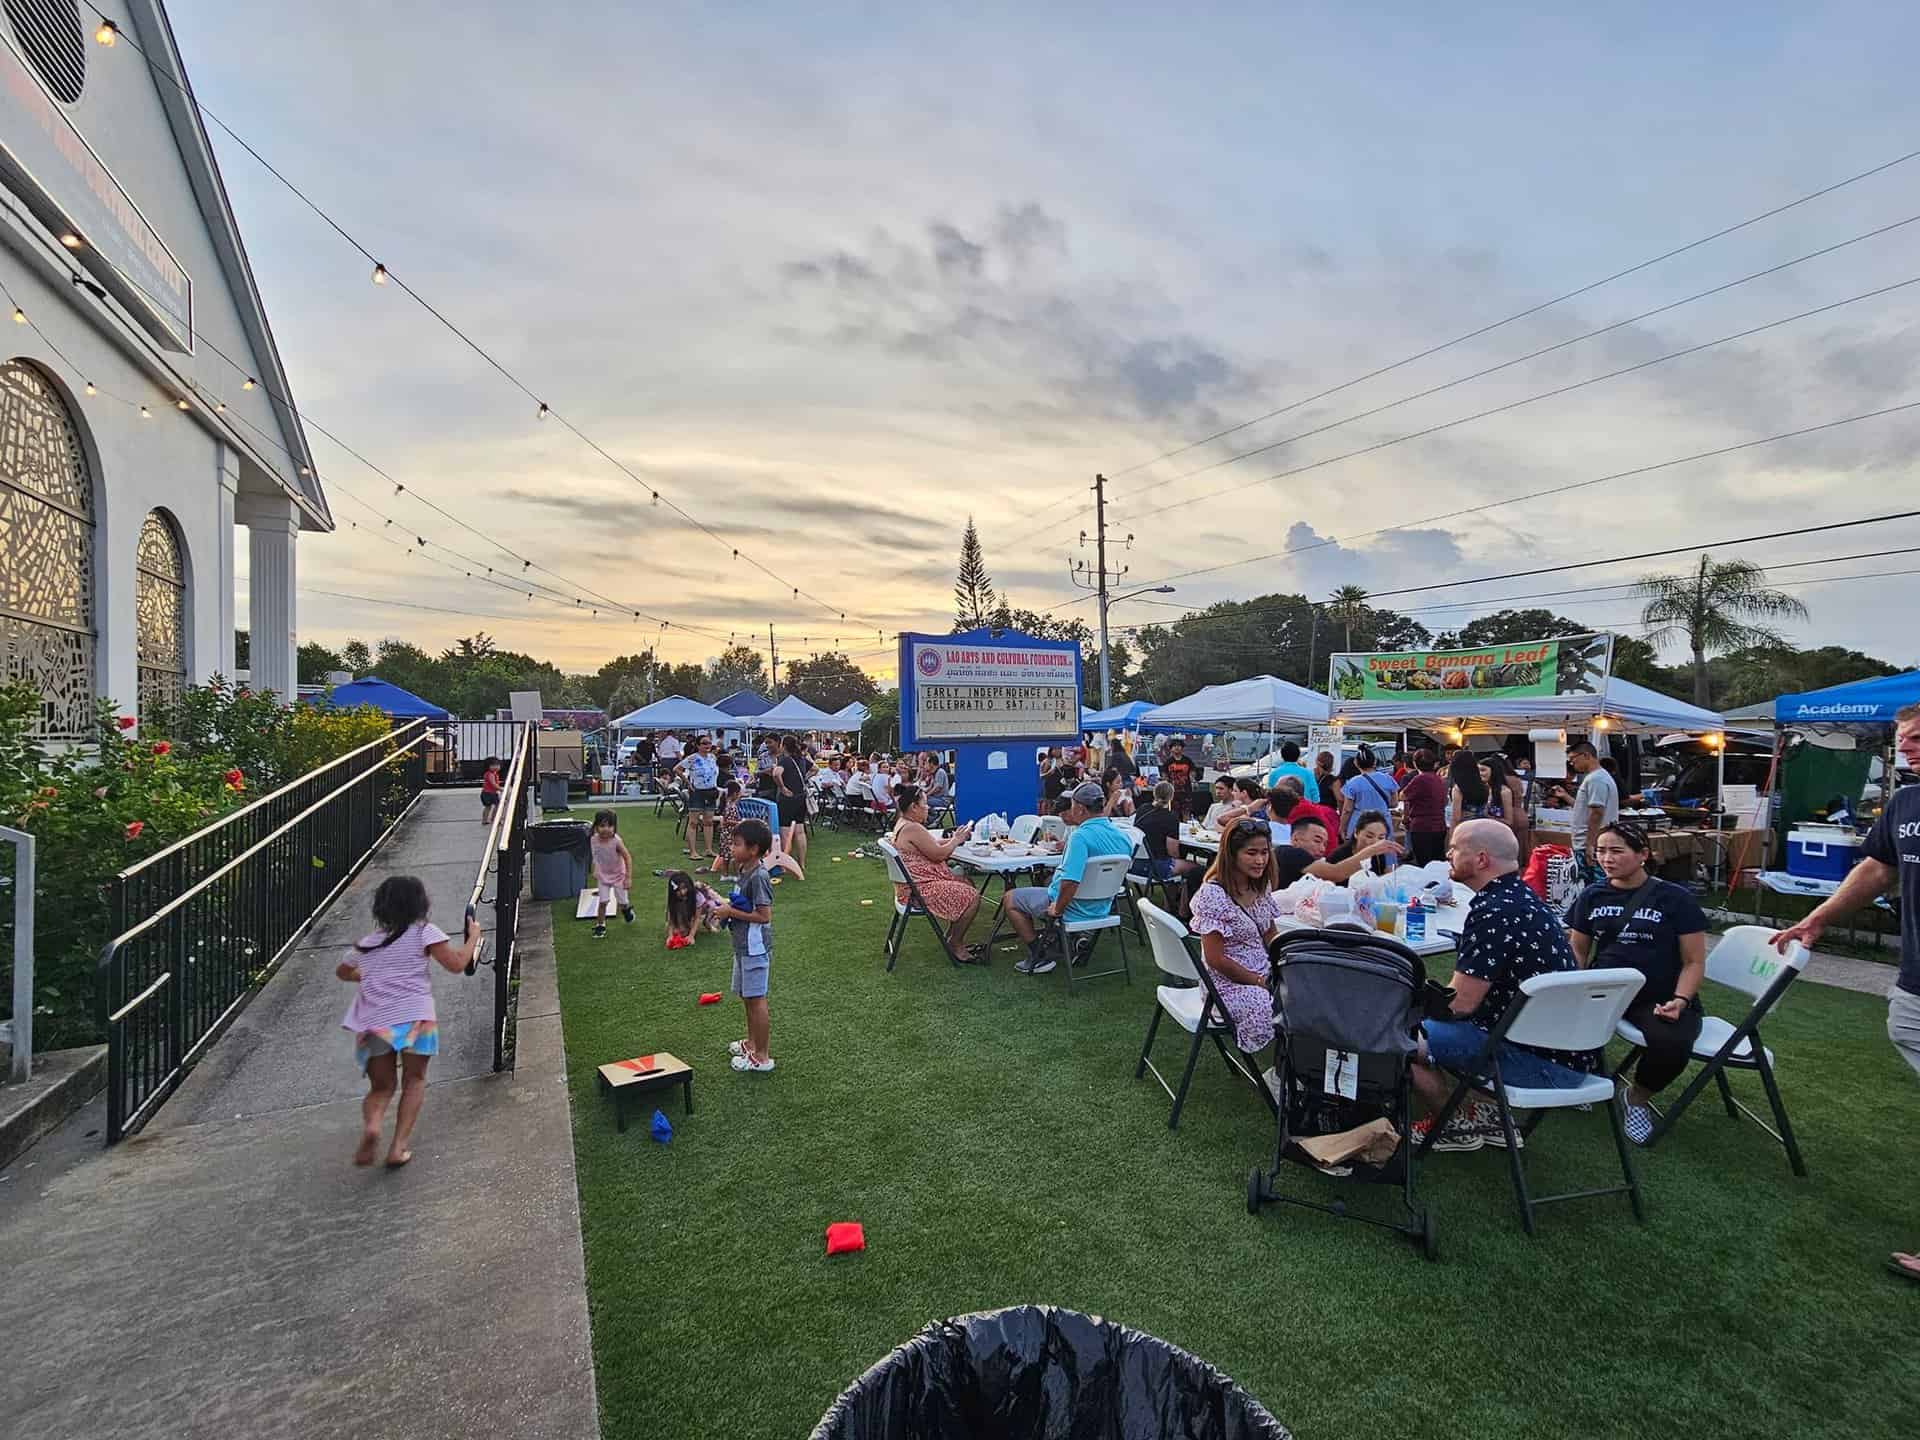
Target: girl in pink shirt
[{"x": 391, "y": 1017}]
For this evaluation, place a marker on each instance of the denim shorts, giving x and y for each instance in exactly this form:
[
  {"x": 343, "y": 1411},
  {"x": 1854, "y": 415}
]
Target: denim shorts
[
  {"x": 1458, "y": 1045},
  {"x": 750, "y": 974}
]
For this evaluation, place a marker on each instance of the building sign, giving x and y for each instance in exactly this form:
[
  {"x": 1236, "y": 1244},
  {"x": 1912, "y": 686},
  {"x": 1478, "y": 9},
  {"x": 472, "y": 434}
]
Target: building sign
[
  {"x": 977, "y": 686},
  {"x": 46, "y": 162},
  {"x": 1568, "y": 665}
]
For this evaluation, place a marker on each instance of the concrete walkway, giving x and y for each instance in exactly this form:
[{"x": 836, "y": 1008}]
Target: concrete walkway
[{"x": 228, "y": 1272}]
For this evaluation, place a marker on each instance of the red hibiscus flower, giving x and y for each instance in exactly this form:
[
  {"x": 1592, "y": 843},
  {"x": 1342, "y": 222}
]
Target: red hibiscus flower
[
  {"x": 134, "y": 827},
  {"x": 162, "y": 747},
  {"x": 126, "y": 722},
  {"x": 51, "y": 792},
  {"x": 235, "y": 779}
]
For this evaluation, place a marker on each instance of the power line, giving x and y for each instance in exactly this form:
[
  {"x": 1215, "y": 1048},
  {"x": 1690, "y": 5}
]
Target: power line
[
  {"x": 1532, "y": 399},
  {"x": 1540, "y": 494},
  {"x": 383, "y": 275},
  {"x": 1530, "y": 310},
  {"x": 1531, "y": 355}
]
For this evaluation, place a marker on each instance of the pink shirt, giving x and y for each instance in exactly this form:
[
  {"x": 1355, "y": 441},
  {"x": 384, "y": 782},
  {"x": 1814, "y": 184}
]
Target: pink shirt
[
  {"x": 394, "y": 983},
  {"x": 608, "y": 863}
]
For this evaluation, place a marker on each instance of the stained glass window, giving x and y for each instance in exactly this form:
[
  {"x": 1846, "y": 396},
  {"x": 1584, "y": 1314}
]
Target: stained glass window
[
  {"x": 160, "y": 613},
  {"x": 46, "y": 552}
]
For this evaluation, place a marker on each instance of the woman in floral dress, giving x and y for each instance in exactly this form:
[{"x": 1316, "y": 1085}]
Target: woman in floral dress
[{"x": 1234, "y": 915}]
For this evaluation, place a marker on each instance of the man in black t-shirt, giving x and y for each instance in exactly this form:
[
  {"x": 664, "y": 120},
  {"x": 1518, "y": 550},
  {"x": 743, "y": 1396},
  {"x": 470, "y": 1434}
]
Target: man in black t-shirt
[
  {"x": 1159, "y": 831},
  {"x": 1892, "y": 850}
]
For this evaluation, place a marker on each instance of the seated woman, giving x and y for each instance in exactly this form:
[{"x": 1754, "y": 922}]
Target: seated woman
[
  {"x": 1250, "y": 803},
  {"x": 1119, "y": 794},
  {"x": 1656, "y": 927},
  {"x": 1370, "y": 827},
  {"x": 1160, "y": 837},
  {"x": 950, "y": 899},
  {"x": 1235, "y": 916}
]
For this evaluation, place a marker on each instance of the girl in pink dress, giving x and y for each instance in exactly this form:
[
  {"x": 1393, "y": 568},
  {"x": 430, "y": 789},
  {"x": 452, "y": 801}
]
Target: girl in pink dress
[{"x": 391, "y": 1017}]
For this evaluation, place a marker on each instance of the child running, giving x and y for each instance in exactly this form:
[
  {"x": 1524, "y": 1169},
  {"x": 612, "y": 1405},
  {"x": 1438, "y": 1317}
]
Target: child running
[
  {"x": 392, "y": 1016},
  {"x": 749, "y": 914},
  {"x": 613, "y": 868},
  {"x": 489, "y": 789},
  {"x": 691, "y": 908}
]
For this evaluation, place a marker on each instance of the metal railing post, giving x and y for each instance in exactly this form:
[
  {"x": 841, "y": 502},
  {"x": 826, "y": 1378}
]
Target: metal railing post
[{"x": 20, "y": 1024}]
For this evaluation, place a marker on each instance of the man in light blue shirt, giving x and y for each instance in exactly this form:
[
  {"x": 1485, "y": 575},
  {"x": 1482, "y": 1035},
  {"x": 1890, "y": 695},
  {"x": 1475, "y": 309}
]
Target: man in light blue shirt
[
  {"x": 1090, "y": 835},
  {"x": 1290, "y": 765}
]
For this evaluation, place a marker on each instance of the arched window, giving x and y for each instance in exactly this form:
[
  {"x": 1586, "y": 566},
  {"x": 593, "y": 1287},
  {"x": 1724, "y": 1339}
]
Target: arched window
[
  {"x": 160, "y": 613},
  {"x": 46, "y": 552}
]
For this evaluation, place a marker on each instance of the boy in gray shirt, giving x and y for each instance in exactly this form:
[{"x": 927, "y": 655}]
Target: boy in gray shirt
[{"x": 749, "y": 915}]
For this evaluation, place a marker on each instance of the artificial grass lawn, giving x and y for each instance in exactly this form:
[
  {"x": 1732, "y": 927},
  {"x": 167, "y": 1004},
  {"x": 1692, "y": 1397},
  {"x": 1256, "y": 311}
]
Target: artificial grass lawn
[{"x": 989, "y": 1132}]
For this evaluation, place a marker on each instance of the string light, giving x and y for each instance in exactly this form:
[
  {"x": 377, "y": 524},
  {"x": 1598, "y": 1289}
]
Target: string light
[
  {"x": 71, "y": 241},
  {"x": 306, "y": 470},
  {"x": 20, "y": 318},
  {"x": 181, "y": 404},
  {"x": 219, "y": 407},
  {"x": 91, "y": 390},
  {"x": 145, "y": 414},
  {"x": 249, "y": 383},
  {"x": 398, "y": 488},
  {"x": 379, "y": 274},
  {"x": 542, "y": 412},
  {"x": 106, "y": 34}
]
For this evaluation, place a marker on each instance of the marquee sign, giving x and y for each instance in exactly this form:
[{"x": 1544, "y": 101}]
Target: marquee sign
[
  {"x": 49, "y": 165},
  {"x": 979, "y": 686}
]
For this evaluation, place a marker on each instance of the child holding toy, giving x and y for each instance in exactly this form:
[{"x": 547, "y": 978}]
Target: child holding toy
[{"x": 749, "y": 914}]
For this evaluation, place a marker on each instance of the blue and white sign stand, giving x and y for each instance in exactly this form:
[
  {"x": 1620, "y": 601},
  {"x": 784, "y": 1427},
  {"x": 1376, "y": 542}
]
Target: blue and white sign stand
[{"x": 992, "y": 698}]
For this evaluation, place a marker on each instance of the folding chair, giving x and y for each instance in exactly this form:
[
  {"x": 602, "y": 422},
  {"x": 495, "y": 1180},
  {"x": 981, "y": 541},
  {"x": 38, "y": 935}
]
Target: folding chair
[
  {"x": 1139, "y": 887},
  {"x": 1105, "y": 878},
  {"x": 1052, "y": 827},
  {"x": 1564, "y": 1010},
  {"x": 1744, "y": 960},
  {"x": 1023, "y": 829},
  {"x": 1196, "y": 1007},
  {"x": 904, "y": 912}
]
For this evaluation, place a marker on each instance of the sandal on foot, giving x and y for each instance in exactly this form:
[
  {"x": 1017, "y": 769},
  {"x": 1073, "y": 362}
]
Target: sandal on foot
[
  {"x": 736, "y": 1047},
  {"x": 394, "y": 1162},
  {"x": 1903, "y": 1271}
]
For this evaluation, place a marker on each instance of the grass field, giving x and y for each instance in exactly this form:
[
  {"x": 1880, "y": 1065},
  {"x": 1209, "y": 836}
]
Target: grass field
[{"x": 988, "y": 1131}]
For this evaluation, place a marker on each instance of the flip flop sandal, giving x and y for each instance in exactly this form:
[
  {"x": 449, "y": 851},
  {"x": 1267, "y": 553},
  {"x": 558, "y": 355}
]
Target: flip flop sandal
[{"x": 1896, "y": 1268}]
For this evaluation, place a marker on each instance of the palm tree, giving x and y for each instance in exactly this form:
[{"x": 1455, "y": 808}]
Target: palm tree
[
  {"x": 1718, "y": 606},
  {"x": 1349, "y": 603}
]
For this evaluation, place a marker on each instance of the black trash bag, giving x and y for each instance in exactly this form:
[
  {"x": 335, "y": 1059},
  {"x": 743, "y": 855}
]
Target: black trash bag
[
  {"x": 1036, "y": 1372},
  {"x": 550, "y": 837}
]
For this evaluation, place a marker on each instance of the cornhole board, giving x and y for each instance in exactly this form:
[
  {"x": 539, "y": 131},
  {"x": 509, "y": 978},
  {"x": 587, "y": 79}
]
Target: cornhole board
[
  {"x": 628, "y": 1080},
  {"x": 590, "y": 902}
]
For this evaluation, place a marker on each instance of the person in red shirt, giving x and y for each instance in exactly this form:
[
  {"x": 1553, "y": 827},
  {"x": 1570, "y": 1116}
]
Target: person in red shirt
[
  {"x": 1179, "y": 772},
  {"x": 1284, "y": 803},
  {"x": 1425, "y": 795},
  {"x": 489, "y": 790}
]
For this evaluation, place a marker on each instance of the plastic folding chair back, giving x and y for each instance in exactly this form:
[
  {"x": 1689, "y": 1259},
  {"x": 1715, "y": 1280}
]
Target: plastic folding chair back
[
  {"x": 1572, "y": 1009},
  {"x": 1167, "y": 938},
  {"x": 1023, "y": 829},
  {"x": 1103, "y": 880},
  {"x": 1745, "y": 960},
  {"x": 1054, "y": 828},
  {"x": 904, "y": 911}
]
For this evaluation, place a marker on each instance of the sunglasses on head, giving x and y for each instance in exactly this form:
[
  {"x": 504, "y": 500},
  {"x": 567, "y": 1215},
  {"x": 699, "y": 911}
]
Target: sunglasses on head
[{"x": 1251, "y": 827}]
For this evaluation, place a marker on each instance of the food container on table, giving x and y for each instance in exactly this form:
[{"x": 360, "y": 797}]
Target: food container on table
[{"x": 1822, "y": 852}]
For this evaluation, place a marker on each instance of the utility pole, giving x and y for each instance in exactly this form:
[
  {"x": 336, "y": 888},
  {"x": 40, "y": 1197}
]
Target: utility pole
[
  {"x": 1100, "y": 553},
  {"x": 773, "y": 659}
]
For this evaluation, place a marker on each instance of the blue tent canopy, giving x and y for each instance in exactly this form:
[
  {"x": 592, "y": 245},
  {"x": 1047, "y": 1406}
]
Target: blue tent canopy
[
  {"x": 676, "y": 712},
  {"x": 382, "y": 696},
  {"x": 744, "y": 703},
  {"x": 1119, "y": 717},
  {"x": 1858, "y": 702}
]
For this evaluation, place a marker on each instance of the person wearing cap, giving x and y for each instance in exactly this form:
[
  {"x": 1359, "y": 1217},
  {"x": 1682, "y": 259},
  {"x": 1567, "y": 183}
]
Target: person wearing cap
[{"x": 1089, "y": 834}]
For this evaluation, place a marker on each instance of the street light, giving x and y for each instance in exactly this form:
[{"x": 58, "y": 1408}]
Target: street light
[{"x": 1107, "y": 603}]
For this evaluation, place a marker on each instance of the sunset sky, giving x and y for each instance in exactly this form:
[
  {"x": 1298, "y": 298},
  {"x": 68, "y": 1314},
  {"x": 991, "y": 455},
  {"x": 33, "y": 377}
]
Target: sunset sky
[{"x": 835, "y": 278}]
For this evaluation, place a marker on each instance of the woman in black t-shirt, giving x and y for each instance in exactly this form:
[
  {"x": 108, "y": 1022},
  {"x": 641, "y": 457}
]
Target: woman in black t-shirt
[
  {"x": 1160, "y": 837},
  {"x": 1656, "y": 927},
  {"x": 790, "y": 785}
]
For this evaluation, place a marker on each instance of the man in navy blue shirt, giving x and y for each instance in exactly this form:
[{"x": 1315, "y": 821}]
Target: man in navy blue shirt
[
  {"x": 1510, "y": 935},
  {"x": 1892, "y": 850}
]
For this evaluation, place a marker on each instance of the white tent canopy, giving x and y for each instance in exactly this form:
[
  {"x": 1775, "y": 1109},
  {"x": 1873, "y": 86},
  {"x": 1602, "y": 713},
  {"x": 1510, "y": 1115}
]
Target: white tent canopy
[
  {"x": 1628, "y": 708},
  {"x": 793, "y": 713},
  {"x": 854, "y": 713},
  {"x": 676, "y": 712},
  {"x": 1263, "y": 702}
]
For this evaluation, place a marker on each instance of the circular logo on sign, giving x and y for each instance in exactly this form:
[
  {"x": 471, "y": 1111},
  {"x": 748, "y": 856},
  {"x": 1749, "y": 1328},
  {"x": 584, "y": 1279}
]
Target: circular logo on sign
[{"x": 929, "y": 662}]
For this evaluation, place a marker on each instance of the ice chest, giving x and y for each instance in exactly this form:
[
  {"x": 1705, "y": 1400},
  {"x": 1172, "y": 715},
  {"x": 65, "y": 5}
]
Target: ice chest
[{"x": 1822, "y": 853}]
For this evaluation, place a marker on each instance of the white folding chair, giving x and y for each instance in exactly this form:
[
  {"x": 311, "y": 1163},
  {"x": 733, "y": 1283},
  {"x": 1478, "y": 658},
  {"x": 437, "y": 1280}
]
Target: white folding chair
[
  {"x": 1141, "y": 887},
  {"x": 1023, "y": 829},
  {"x": 1104, "y": 879},
  {"x": 1744, "y": 960},
  {"x": 1053, "y": 828},
  {"x": 1564, "y": 1010},
  {"x": 904, "y": 911},
  {"x": 1195, "y": 1006}
]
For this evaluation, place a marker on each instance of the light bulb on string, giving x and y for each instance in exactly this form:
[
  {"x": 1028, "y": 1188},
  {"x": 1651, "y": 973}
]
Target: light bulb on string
[
  {"x": 656, "y": 497},
  {"x": 20, "y": 318},
  {"x": 542, "y": 412},
  {"x": 398, "y": 488},
  {"x": 248, "y": 383},
  {"x": 421, "y": 541},
  {"x": 90, "y": 388},
  {"x": 71, "y": 241},
  {"x": 145, "y": 414},
  {"x": 106, "y": 34},
  {"x": 304, "y": 469},
  {"x": 219, "y": 407},
  {"x": 379, "y": 273},
  {"x": 181, "y": 404}
]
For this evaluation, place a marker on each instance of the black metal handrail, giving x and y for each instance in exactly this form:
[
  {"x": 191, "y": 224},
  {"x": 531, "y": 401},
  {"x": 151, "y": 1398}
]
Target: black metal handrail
[
  {"x": 504, "y": 857},
  {"x": 216, "y": 917}
]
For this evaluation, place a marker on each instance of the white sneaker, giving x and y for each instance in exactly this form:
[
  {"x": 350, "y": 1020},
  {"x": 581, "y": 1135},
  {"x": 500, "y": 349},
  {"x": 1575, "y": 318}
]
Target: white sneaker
[
  {"x": 744, "y": 1064},
  {"x": 736, "y": 1047}
]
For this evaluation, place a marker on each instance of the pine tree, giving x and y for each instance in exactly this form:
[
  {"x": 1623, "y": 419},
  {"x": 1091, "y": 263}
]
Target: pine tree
[{"x": 973, "y": 597}]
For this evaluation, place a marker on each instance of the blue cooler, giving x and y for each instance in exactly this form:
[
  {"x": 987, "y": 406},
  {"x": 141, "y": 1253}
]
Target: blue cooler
[{"x": 1822, "y": 852}]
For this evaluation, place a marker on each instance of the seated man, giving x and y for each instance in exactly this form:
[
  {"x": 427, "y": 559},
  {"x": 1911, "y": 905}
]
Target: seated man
[
  {"x": 1510, "y": 935},
  {"x": 1305, "y": 853},
  {"x": 1089, "y": 833}
]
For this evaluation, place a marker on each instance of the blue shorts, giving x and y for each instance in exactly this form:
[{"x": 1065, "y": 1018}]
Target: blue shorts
[
  {"x": 1030, "y": 900},
  {"x": 750, "y": 974},
  {"x": 1161, "y": 869},
  {"x": 1458, "y": 1046}
]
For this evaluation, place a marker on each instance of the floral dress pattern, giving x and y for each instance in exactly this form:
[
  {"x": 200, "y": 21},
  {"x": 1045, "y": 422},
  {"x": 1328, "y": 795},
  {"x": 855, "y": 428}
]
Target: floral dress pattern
[{"x": 1240, "y": 928}]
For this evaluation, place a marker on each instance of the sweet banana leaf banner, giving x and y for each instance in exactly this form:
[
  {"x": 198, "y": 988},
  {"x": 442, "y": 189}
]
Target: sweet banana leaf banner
[{"x": 1567, "y": 665}]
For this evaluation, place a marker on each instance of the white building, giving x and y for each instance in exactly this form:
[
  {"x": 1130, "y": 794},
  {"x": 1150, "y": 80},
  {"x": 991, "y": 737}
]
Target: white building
[{"x": 143, "y": 408}]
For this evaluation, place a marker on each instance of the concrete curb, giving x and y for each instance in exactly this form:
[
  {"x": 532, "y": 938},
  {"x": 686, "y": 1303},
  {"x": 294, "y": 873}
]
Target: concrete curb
[{"x": 62, "y": 1081}]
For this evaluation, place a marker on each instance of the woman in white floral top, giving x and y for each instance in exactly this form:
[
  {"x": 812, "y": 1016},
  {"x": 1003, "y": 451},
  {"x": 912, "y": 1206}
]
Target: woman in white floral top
[{"x": 1234, "y": 915}]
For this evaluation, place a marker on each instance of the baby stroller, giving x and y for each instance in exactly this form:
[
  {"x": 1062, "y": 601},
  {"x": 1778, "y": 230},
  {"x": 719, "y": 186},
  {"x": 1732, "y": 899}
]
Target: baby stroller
[{"x": 1347, "y": 1005}]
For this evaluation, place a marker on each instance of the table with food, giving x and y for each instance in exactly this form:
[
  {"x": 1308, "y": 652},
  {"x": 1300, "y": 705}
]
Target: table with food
[{"x": 1006, "y": 858}]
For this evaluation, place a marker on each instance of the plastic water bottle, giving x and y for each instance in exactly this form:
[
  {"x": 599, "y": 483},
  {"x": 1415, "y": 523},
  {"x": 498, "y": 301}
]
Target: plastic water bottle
[{"x": 1416, "y": 921}]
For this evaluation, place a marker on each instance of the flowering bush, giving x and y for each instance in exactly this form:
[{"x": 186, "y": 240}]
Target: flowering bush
[{"x": 94, "y": 812}]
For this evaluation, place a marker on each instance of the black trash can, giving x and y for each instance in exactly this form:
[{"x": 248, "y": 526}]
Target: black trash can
[
  {"x": 559, "y": 853},
  {"x": 553, "y": 790},
  {"x": 1034, "y": 1372}
]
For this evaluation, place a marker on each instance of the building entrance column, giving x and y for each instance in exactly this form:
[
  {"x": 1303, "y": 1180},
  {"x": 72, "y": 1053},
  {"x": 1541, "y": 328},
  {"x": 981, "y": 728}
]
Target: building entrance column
[{"x": 273, "y": 528}]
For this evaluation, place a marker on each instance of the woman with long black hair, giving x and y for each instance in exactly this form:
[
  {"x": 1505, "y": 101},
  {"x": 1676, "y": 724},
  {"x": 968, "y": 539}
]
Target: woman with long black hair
[{"x": 1466, "y": 791}]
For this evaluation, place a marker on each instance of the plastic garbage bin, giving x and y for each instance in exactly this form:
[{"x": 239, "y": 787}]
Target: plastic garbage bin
[
  {"x": 553, "y": 789},
  {"x": 560, "y": 855},
  {"x": 1034, "y": 1372}
]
